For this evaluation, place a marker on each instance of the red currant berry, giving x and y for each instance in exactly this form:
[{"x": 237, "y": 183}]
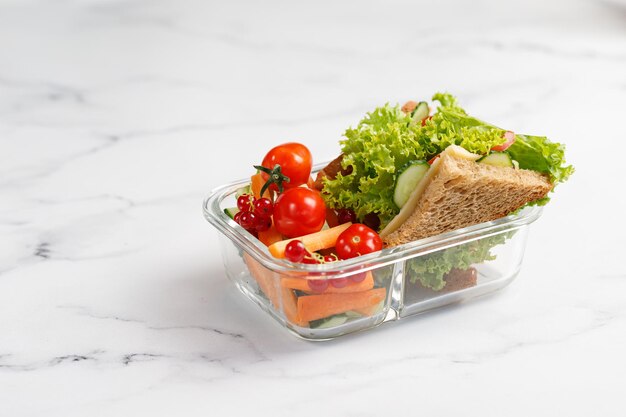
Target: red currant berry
[
  {"x": 329, "y": 258},
  {"x": 237, "y": 217},
  {"x": 357, "y": 277},
  {"x": 310, "y": 259},
  {"x": 318, "y": 285},
  {"x": 263, "y": 224},
  {"x": 245, "y": 202},
  {"x": 263, "y": 207},
  {"x": 339, "y": 282},
  {"x": 345, "y": 216},
  {"x": 248, "y": 220},
  {"x": 295, "y": 251}
]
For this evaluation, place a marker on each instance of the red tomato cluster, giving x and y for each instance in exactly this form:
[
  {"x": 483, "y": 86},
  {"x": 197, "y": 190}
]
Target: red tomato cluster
[{"x": 295, "y": 210}]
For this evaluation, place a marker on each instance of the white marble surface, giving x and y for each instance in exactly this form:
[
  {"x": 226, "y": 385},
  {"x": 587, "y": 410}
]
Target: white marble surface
[{"x": 118, "y": 117}]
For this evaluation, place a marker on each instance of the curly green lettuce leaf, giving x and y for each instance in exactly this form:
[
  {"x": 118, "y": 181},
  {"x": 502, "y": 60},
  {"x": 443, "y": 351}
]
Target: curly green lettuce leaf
[
  {"x": 430, "y": 270},
  {"x": 537, "y": 153},
  {"x": 385, "y": 141}
]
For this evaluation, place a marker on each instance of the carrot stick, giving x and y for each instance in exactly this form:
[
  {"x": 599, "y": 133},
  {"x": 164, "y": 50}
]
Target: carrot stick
[
  {"x": 367, "y": 311},
  {"x": 290, "y": 307},
  {"x": 301, "y": 284},
  {"x": 323, "y": 239},
  {"x": 256, "y": 184},
  {"x": 264, "y": 277},
  {"x": 315, "y": 307},
  {"x": 267, "y": 279},
  {"x": 270, "y": 236}
]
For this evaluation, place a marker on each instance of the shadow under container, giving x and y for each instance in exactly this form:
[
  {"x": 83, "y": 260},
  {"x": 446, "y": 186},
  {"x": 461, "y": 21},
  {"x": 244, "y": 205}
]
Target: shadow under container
[{"x": 323, "y": 301}]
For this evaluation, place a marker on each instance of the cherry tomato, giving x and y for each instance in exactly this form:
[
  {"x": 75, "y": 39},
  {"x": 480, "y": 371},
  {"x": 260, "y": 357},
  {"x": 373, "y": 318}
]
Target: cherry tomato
[
  {"x": 433, "y": 159},
  {"x": 357, "y": 240},
  {"x": 299, "y": 211},
  {"x": 510, "y": 139},
  {"x": 295, "y": 161}
]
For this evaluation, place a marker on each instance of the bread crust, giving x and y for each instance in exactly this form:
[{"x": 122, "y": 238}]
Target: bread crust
[{"x": 464, "y": 193}]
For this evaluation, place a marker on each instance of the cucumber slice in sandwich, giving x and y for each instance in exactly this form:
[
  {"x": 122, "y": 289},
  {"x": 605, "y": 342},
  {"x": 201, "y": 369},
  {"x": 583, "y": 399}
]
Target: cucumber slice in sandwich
[
  {"x": 421, "y": 112},
  {"x": 407, "y": 180},
  {"x": 497, "y": 159}
]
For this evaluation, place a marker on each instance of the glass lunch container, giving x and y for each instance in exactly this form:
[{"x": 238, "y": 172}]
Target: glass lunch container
[{"x": 323, "y": 301}]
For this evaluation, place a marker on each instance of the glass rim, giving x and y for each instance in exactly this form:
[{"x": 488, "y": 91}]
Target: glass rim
[{"x": 215, "y": 215}]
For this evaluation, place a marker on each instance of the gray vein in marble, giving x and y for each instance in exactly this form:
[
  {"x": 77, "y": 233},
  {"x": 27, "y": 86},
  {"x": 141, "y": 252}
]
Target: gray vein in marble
[
  {"x": 43, "y": 250},
  {"x": 214, "y": 330},
  {"x": 49, "y": 168},
  {"x": 44, "y": 90}
]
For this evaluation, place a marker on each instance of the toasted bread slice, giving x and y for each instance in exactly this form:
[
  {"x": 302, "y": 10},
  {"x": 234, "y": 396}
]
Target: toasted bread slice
[{"x": 458, "y": 192}]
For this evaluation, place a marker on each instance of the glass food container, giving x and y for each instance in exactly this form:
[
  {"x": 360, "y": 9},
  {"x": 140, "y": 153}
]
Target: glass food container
[{"x": 323, "y": 301}]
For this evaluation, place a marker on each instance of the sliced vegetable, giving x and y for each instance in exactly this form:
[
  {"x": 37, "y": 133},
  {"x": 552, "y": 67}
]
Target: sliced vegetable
[
  {"x": 315, "y": 307},
  {"x": 333, "y": 321},
  {"x": 497, "y": 159},
  {"x": 323, "y": 239},
  {"x": 256, "y": 184},
  {"x": 369, "y": 311},
  {"x": 509, "y": 139},
  {"x": 267, "y": 281},
  {"x": 302, "y": 285},
  {"x": 265, "y": 278},
  {"x": 421, "y": 112},
  {"x": 270, "y": 236},
  {"x": 243, "y": 190},
  {"x": 407, "y": 181},
  {"x": 231, "y": 211}
]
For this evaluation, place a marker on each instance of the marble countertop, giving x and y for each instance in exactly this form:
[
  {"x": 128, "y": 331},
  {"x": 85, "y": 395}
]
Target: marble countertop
[{"x": 118, "y": 117}]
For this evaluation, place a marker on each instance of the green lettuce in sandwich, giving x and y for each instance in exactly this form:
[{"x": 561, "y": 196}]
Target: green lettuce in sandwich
[{"x": 412, "y": 173}]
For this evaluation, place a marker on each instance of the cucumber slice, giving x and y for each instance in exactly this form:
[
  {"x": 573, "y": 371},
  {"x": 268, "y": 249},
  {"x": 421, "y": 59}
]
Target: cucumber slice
[
  {"x": 243, "y": 190},
  {"x": 497, "y": 159},
  {"x": 332, "y": 321},
  {"x": 407, "y": 181},
  {"x": 231, "y": 211},
  {"x": 421, "y": 112}
]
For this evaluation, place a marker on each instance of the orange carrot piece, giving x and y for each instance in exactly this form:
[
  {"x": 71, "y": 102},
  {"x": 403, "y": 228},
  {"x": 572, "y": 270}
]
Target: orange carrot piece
[
  {"x": 315, "y": 307},
  {"x": 270, "y": 236},
  {"x": 290, "y": 307},
  {"x": 367, "y": 311},
  {"x": 266, "y": 279},
  {"x": 256, "y": 184},
  {"x": 301, "y": 284},
  {"x": 323, "y": 239}
]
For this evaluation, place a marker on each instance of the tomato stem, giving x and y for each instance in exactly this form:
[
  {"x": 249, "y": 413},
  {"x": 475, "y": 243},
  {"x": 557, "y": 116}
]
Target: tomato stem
[{"x": 275, "y": 177}]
